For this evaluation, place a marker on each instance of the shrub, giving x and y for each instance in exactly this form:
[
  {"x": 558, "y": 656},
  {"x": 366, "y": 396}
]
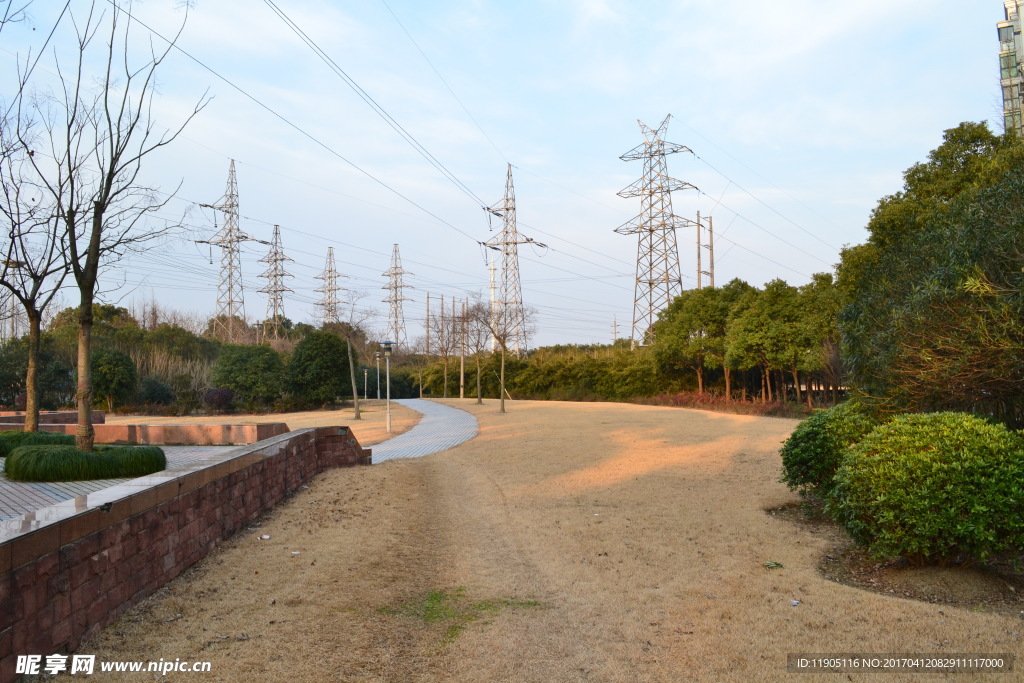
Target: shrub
[
  {"x": 113, "y": 376},
  {"x": 939, "y": 487},
  {"x": 814, "y": 451},
  {"x": 152, "y": 391},
  {"x": 67, "y": 463},
  {"x": 255, "y": 373},
  {"x": 9, "y": 440},
  {"x": 319, "y": 368},
  {"x": 219, "y": 399}
]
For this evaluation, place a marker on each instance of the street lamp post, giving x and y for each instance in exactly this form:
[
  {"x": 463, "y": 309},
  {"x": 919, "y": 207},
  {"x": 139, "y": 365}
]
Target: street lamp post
[
  {"x": 386, "y": 345},
  {"x": 376, "y": 357},
  {"x": 366, "y": 395}
]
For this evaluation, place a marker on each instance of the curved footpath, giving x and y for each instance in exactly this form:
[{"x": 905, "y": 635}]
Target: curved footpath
[{"x": 441, "y": 428}]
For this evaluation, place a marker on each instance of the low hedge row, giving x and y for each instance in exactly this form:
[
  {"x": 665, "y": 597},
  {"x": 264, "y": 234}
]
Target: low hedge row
[
  {"x": 11, "y": 439},
  {"x": 67, "y": 463},
  {"x": 932, "y": 488}
]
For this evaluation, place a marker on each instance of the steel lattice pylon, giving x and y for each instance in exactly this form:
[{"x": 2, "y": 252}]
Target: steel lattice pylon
[
  {"x": 658, "y": 278},
  {"x": 328, "y": 305},
  {"x": 508, "y": 316},
  {"x": 396, "y": 295},
  {"x": 229, "y": 324},
  {"x": 275, "y": 288}
]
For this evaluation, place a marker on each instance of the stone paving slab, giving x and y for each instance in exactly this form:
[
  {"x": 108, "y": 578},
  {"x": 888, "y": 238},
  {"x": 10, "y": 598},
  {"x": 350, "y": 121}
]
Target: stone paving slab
[
  {"x": 442, "y": 427},
  {"x": 18, "y": 498}
]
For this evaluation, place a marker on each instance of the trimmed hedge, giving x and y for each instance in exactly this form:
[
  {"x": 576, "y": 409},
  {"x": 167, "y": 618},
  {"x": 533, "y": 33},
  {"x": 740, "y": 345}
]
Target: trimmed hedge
[
  {"x": 67, "y": 463},
  {"x": 11, "y": 439},
  {"x": 814, "y": 451},
  {"x": 934, "y": 488}
]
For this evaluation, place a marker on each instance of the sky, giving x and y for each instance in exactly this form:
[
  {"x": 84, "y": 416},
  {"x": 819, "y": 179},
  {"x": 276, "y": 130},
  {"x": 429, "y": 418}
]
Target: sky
[{"x": 800, "y": 116}]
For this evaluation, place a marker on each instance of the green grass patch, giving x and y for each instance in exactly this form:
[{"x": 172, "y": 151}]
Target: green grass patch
[
  {"x": 67, "y": 463},
  {"x": 11, "y": 439},
  {"x": 453, "y": 610}
]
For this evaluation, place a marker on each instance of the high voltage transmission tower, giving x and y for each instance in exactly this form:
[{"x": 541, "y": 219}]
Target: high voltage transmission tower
[
  {"x": 229, "y": 324},
  {"x": 328, "y": 305},
  {"x": 658, "y": 279},
  {"x": 396, "y": 295},
  {"x": 508, "y": 317},
  {"x": 275, "y": 289}
]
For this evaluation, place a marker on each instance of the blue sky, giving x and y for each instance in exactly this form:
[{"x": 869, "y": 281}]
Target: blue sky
[{"x": 800, "y": 114}]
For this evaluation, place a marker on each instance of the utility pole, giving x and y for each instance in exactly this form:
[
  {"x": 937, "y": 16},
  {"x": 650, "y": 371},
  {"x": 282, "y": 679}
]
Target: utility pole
[
  {"x": 511, "y": 316},
  {"x": 658, "y": 279},
  {"x": 275, "y": 289},
  {"x": 396, "y": 295},
  {"x": 328, "y": 304},
  {"x": 615, "y": 330},
  {"x": 230, "y": 300},
  {"x": 462, "y": 360},
  {"x": 710, "y": 246}
]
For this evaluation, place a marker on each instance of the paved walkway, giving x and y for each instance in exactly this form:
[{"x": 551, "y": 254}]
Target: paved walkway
[
  {"x": 18, "y": 497},
  {"x": 441, "y": 428}
]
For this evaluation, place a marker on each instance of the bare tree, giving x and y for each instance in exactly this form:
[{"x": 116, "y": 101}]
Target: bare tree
[
  {"x": 32, "y": 264},
  {"x": 478, "y": 337},
  {"x": 354, "y": 334},
  {"x": 444, "y": 337},
  {"x": 498, "y": 323},
  {"x": 98, "y": 129}
]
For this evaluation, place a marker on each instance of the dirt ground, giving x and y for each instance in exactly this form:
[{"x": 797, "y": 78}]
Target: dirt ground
[{"x": 567, "y": 542}]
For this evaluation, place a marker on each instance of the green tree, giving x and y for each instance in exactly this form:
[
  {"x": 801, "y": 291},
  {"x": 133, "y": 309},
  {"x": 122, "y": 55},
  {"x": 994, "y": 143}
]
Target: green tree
[
  {"x": 256, "y": 373},
  {"x": 932, "y": 315},
  {"x": 319, "y": 367},
  {"x": 113, "y": 376}
]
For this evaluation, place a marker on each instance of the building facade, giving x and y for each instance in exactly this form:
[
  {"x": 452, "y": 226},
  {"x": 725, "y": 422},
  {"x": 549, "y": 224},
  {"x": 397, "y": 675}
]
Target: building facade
[{"x": 1011, "y": 65}]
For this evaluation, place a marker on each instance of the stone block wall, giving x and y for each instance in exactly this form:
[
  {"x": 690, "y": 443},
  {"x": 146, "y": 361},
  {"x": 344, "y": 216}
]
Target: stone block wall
[{"x": 69, "y": 570}]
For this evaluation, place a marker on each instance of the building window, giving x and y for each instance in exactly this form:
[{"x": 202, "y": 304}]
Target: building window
[
  {"x": 1012, "y": 121},
  {"x": 1008, "y": 65},
  {"x": 1006, "y": 34}
]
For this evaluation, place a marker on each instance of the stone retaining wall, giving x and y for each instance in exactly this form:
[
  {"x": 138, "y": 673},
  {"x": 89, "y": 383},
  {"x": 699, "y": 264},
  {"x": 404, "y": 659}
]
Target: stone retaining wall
[{"x": 69, "y": 570}]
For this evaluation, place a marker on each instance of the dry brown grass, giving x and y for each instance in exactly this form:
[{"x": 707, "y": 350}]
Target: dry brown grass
[{"x": 640, "y": 531}]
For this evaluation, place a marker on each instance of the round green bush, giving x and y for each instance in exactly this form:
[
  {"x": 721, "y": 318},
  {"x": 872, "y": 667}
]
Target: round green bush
[
  {"x": 67, "y": 463},
  {"x": 934, "y": 488},
  {"x": 814, "y": 451},
  {"x": 11, "y": 439}
]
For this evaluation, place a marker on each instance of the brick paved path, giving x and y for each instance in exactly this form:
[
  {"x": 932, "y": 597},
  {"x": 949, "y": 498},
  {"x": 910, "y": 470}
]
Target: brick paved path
[{"x": 441, "y": 428}]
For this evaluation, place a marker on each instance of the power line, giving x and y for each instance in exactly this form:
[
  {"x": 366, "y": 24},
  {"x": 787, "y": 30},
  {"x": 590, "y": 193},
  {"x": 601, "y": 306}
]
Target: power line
[
  {"x": 297, "y": 128},
  {"x": 377, "y": 108}
]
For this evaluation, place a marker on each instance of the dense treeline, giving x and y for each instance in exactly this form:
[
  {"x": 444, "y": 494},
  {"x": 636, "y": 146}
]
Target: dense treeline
[{"x": 161, "y": 366}]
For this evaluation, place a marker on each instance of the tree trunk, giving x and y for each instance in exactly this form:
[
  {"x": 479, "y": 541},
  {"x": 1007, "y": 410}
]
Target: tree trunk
[
  {"x": 501, "y": 391},
  {"x": 700, "y": 377},
  {"x": 728, "y": 383},
  {"x": 355, "y": 388},
  {"x": 84, "y": 434},
  {"x": 767, "y": 385},
  {"x": 810, "y": 394},
  {"x": 446, "y": 376},
  {"x": 796, "y": 383},
  {"x": 32, "y": 375}
]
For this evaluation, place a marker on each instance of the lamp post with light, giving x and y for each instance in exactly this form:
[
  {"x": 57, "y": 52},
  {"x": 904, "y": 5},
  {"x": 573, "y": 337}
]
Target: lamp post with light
[
  {"x": 376, "y": 357},
  {"x": 366, "y": 394},
  {"x": 386, "y": 345}
]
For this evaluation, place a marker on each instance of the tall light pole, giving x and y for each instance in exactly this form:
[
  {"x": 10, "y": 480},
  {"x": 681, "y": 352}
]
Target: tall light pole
[
  {"x": 386, "y": 345},
  {"x": 376, "y": 357},
  {"x": 366, "y": 395}
]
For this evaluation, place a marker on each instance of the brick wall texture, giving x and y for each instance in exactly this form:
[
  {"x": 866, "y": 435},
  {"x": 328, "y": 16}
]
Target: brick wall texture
[{"x": 65, "y": 581}]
